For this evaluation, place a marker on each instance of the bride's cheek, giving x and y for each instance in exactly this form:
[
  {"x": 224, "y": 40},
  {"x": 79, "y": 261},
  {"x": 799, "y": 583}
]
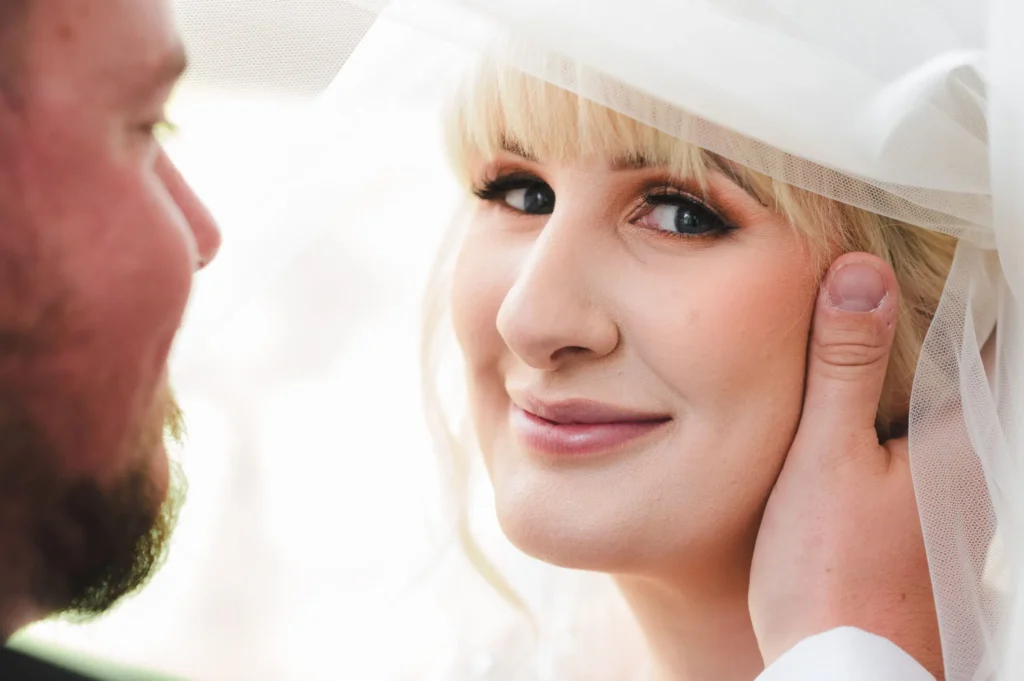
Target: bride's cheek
[{"x": 736, "y": 355}]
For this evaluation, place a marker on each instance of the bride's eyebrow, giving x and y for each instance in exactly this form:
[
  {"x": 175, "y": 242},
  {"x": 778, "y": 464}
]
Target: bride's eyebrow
[
  {"x": 633, "y": 162},
  {"x": 513, "y": 146},
  {"x": 734, "y": 172},
  {"x": 713, "y": 162},
  {"x": 640, "y": 161}
]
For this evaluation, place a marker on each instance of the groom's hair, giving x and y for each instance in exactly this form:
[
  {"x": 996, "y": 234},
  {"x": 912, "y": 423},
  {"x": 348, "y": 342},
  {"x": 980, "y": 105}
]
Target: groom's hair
[{"x": 13, "y": 19}]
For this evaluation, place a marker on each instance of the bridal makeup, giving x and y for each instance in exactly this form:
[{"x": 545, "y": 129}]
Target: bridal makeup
[
  {"x": 635, "y": 341},
  {"x": 575, "y": 428}
]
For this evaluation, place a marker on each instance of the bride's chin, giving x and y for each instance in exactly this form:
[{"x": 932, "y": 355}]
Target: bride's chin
[{"x": 572, "y": 542}]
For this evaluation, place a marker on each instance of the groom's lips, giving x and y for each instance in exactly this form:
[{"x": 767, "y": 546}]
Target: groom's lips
[{"x": 577, "y": 427}]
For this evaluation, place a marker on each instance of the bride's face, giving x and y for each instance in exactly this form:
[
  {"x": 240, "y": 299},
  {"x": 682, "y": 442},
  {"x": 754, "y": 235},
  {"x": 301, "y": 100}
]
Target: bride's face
[{"x": 636, "y": 354}]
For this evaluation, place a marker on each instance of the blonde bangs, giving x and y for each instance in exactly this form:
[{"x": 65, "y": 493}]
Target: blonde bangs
[{"x": 500, "y": 108}]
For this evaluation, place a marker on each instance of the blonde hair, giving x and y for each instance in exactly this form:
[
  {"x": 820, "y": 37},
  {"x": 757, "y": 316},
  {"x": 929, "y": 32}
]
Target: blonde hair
[{"x": 499, "y": 107}]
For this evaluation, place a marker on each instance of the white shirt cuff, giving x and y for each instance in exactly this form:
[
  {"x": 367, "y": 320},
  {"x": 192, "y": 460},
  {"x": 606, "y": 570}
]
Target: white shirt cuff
[{"x": 845, "y": 654}]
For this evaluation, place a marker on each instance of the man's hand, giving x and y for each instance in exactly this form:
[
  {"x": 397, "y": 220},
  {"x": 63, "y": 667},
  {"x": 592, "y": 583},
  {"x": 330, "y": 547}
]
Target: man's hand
[{"x": 840, "y": 543}]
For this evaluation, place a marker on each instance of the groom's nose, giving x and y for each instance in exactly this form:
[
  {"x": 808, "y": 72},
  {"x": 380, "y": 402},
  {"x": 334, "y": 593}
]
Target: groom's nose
[{"x": 200, "y": 221}]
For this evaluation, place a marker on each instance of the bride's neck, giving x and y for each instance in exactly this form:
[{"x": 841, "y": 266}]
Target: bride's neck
[{"x": 697, "y": 627}]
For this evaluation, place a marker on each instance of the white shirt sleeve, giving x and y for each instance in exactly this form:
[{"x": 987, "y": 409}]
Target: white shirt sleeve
[{"x": 845, "y": 654}]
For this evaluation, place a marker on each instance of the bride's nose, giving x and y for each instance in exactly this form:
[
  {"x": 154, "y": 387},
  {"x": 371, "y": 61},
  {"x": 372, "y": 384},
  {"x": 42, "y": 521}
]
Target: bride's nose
[{"x": 552, "y": 314}]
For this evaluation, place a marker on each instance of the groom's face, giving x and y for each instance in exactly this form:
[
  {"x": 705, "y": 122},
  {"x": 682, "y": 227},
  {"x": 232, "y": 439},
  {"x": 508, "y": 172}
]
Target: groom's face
[{"x": 99, "y": 240}]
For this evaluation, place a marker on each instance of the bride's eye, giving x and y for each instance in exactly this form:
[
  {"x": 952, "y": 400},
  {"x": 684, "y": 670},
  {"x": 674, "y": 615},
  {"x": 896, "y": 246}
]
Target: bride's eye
[
  {"x": 522, "y": 193},
  {"x": 682, "y": 215}
]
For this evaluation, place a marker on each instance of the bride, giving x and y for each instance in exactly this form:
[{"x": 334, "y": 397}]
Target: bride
[
  {"x": 634, "y": 314},
  {"x": 656, "y": 192}
]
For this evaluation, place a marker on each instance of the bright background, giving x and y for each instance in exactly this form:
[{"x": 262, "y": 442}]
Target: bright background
[{"x": 313, "y": 484}]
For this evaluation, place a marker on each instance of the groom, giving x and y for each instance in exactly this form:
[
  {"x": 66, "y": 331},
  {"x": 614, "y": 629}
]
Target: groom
[{"x": 99, "y": 239}]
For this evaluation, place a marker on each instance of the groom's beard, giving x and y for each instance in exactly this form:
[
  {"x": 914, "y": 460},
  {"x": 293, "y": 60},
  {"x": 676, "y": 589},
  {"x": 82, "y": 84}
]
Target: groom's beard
[{"x": 73, "y": 545}]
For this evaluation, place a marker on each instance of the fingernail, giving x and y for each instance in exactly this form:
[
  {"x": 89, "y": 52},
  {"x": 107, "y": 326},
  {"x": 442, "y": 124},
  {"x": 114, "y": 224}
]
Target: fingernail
[{"x": 856, "y": 288}]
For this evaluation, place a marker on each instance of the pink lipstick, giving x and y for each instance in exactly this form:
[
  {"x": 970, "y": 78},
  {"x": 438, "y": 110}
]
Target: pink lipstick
[{"x": 579, "y": 427}]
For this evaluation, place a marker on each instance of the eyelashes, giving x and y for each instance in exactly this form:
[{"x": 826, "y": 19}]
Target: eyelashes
[
  {"x": 495, "y": 188},
  {"x": 676, "y": 212},
  {"x": 668, "y": 209},
  {"x": 520, "y": 192}
]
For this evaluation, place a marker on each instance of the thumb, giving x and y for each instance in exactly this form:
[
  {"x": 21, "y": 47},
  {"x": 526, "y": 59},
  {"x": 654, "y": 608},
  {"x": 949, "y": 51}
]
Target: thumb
[{"x": 853, "y": 329}]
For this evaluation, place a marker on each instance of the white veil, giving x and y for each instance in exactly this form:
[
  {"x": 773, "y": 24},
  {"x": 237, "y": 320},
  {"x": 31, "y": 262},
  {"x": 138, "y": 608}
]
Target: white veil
[{"x": 912, "y": 109}]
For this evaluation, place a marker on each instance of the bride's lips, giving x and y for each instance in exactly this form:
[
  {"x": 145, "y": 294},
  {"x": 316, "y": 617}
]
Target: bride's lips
[{"x": 578, "y": 427}]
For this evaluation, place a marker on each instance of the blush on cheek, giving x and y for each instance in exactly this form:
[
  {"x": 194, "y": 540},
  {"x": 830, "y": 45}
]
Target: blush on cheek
[
  {"x": 733, "y": 335},
  {"x": 735, "y": 339}
]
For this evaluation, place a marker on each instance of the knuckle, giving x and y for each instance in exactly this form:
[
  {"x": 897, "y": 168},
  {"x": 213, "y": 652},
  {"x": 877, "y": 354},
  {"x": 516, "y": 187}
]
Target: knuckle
[
  {"x": 849, "y": 345},
  {"x": 850, "y": 355},
  {"x": 857, "y": 456}
]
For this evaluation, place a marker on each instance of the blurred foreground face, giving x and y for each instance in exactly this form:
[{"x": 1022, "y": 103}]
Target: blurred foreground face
[{"x": 100, "y": 239}]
